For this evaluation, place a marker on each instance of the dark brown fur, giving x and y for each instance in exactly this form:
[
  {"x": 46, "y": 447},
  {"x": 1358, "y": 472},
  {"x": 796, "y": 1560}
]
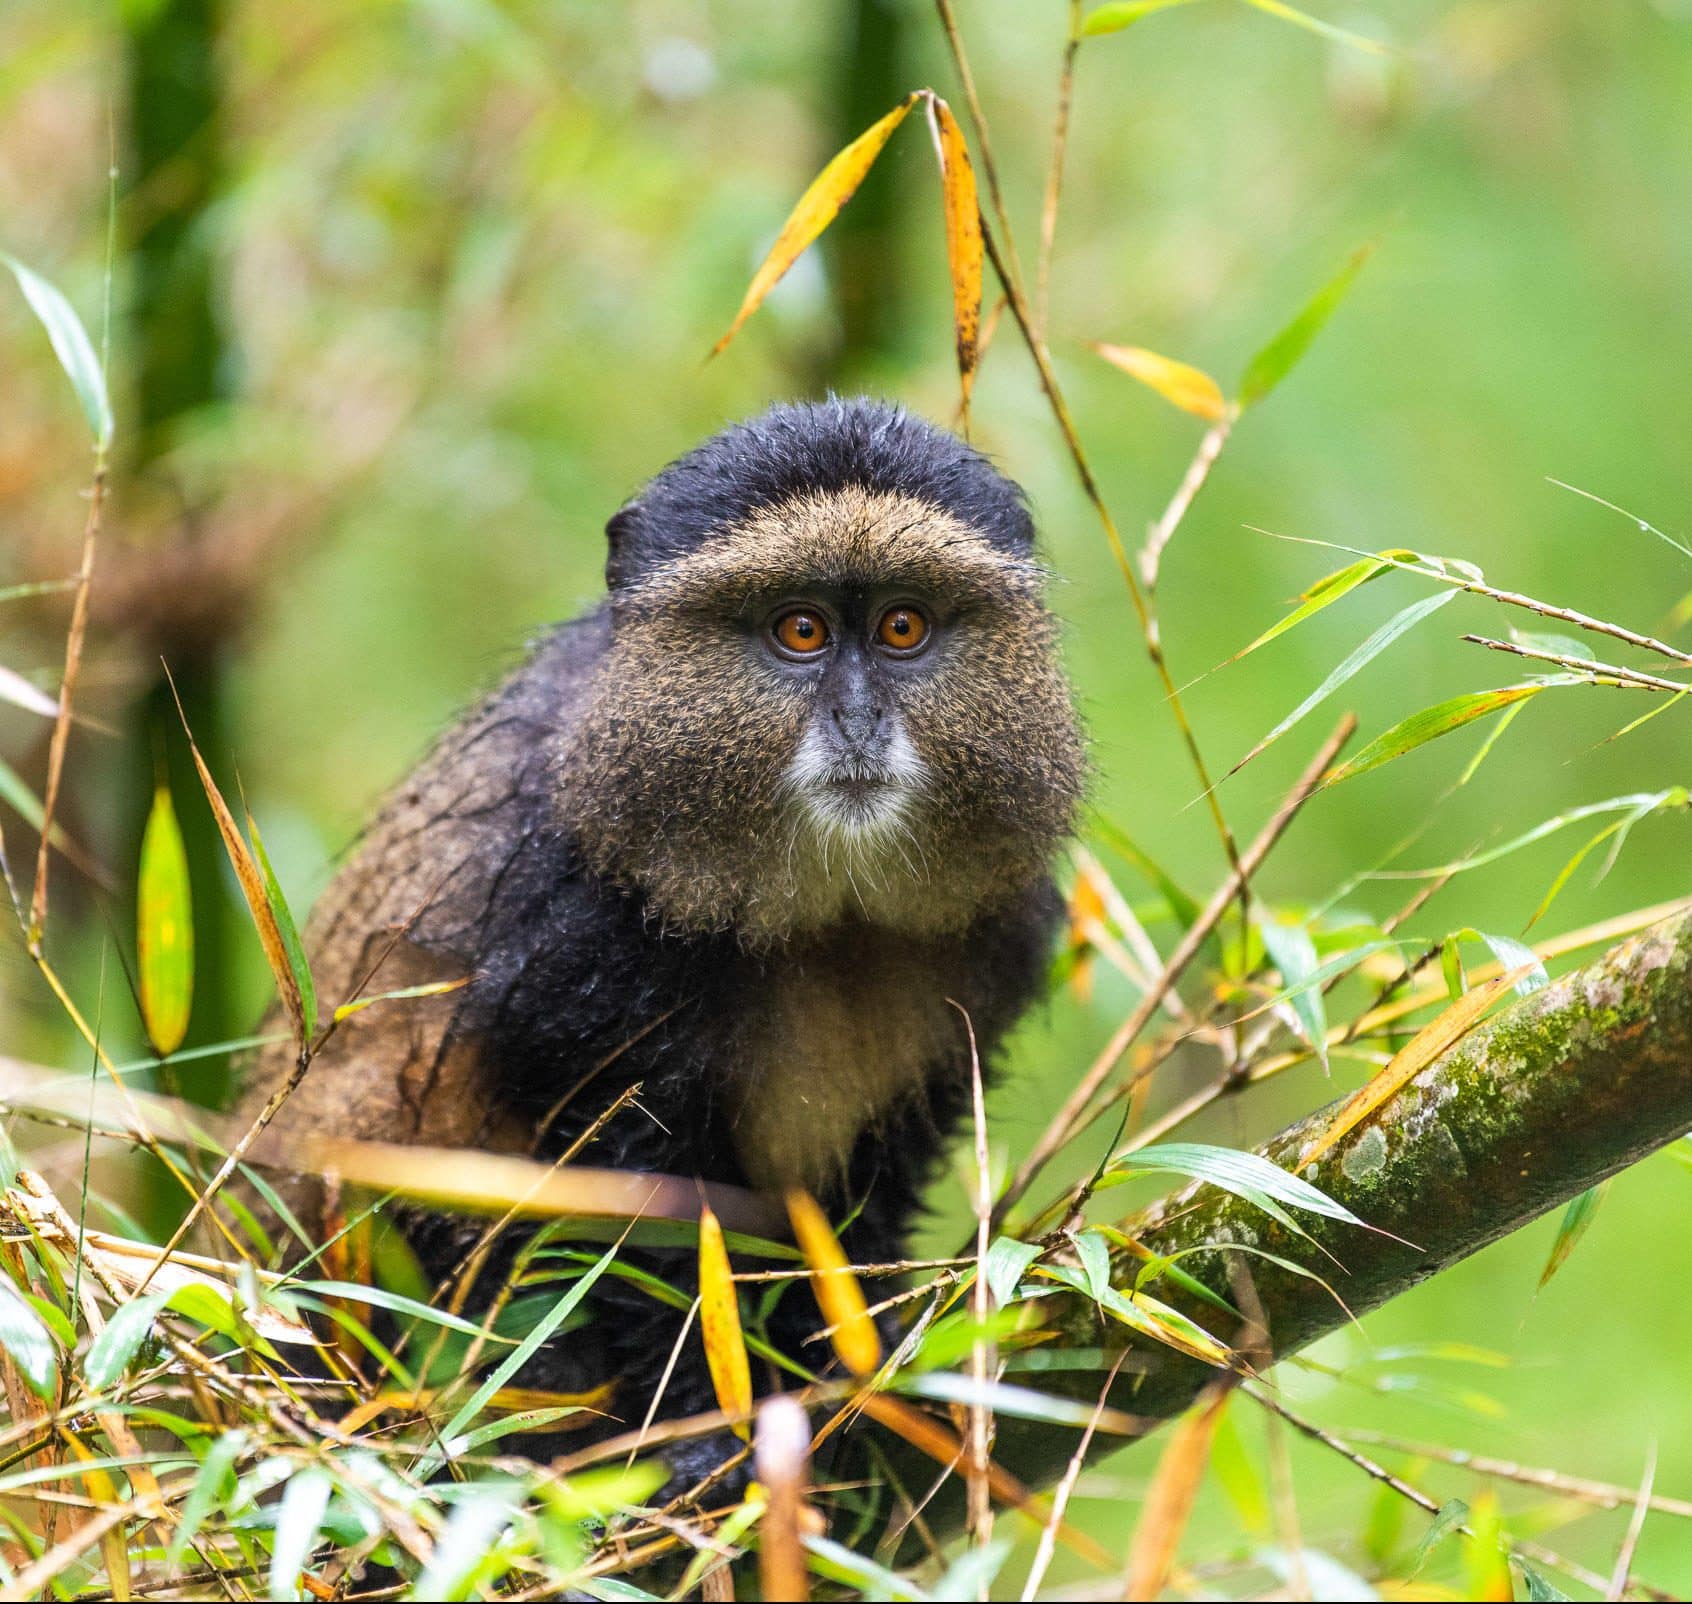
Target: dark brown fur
[{"x": 611, "y": 850}]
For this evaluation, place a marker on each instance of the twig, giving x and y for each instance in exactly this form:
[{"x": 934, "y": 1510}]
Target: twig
[
  {"x": 1603, "y": 1494},
  {"x": 1060, "y": 1497},
  {"x": 1533, "y": 1551},
  {"x": 1073, "y": 1114},
  {"x": 1198, "y": 470},
  {"x": 1511, "y": 598},
  {"x": 1636, "y": 1524},
  {"x": 960, "y": 59},
  {"x": 1598, "y": 673},
  {"x": 74, "y": 640},
  {"x": 1010, "y": 276},
  {"x": 1054, "y": 177},
  {"x": 981, "y": 1358}
]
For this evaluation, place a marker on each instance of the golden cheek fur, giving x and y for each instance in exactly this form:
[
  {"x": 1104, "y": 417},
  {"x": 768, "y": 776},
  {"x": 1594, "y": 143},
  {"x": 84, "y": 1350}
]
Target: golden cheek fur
[{"x": 678, "y": 774}]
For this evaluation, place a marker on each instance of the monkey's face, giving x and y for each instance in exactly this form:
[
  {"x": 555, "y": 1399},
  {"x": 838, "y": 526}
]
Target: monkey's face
[{"x": 849, "y": 706}]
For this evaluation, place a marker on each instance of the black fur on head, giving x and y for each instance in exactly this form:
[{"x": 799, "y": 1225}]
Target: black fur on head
[{"x": 807, "y": 447}]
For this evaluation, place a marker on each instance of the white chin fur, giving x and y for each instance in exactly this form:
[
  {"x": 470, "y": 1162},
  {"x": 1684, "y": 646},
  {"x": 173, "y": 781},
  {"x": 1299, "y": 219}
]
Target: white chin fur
[{"x": 851, "y": 805}]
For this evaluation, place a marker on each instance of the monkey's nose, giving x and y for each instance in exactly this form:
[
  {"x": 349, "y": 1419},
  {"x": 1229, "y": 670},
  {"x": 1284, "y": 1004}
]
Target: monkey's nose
[{"x": 861, "y": 724}]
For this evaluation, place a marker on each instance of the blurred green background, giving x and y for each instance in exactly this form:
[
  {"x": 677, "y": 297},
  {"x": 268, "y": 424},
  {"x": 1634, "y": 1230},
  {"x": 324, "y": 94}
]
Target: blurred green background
[{"x": 409, "y": 296}]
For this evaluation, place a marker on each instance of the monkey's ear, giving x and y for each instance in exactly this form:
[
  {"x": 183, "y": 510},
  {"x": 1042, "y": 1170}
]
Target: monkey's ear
[{"x": 622, "y": 537}]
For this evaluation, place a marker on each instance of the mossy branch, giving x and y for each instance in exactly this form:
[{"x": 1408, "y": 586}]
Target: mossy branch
[{"x": 1556, "y": 1092}]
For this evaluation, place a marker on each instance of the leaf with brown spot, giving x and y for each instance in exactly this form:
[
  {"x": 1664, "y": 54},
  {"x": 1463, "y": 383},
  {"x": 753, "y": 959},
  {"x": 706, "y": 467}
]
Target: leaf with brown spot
[
  {"x": 719, "y": 1325},
  {"x": 817, "y": 208},
  {"x": 838, "y": 1294},
  {"x": 1169, "y": 1500},
  {"x": 964, "y": 249},
  {"x": 253, "y": 889},
  {"x": 1189, "y": 388},
  {"x": 1436, "y": 1037}
]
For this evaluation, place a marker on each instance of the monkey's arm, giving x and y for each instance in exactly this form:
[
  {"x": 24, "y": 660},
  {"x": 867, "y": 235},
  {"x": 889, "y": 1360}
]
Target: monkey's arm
[{"x": 411, "y": 907}]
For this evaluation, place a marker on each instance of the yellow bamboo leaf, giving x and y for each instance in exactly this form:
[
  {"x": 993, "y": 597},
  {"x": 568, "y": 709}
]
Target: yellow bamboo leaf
[
  {"x": 817, "y": 208},
  {"x": 838, "y": 1294},
  {"x": 164, "y": 928},
  {"x": 964, "y": 249},
  {"x": 1168, "y": 1503},
  {"x": 1434, "y": 1038},
  {"x": 1189, "y": 388},
  {"x": 719, "y": 1324},
  {"x": 1086, "y": 911}
]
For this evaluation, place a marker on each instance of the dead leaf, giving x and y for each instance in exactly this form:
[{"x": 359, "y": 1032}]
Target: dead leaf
[
  {"x": 817, "y": 208},
  {"x": 1433, "y": 1039}
]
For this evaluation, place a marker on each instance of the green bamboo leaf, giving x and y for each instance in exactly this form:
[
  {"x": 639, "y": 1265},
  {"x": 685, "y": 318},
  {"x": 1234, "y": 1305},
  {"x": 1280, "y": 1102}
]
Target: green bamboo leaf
[
  {"x": 1563, "y": 645},
  {"x": 289, "y": 931},
  {"x": 1003, "y": 1398},
  {"x": 1511, "y": 954},
  {"x": 1377, "y": 643},
  {"x": 1540, "y": 1591},
  {"x": 1573, "y": 1226},
  {"x": 127, "y": 1329},
  {"x": 524, "y": 1351},
  {"x": 394, "y": 1303},
  {"x": 1181, "y": 904},
  {"x": 1006, "y": 1261},
  {"x": 1094, "y": 1253},
  {"x": 28, "y": 1342},
  {"x": 1431, "y": 723},
  {"x": 1120, "y": 14},
  {"x": 1302, "y": 19},
  {"x": 1493, "y": 737},
  {"x": 1278, "y": 358},
  {"x": 17, "y": 690},
  {"x": 1447, "y": 1518},
  {"x": 71, "y": 346},
  {"x": 1246, "y": 1174},
  {"x": 208, "y": 1489},
  {"x": 299, "y": 1518},
  {"x": 466, "y": 1544},
  {"x": 838, "y": 1563},
  {"x": 1324, "y": 593},
  {"x": 1292, "y": 952},
  {"x": 164, "y": 928}
]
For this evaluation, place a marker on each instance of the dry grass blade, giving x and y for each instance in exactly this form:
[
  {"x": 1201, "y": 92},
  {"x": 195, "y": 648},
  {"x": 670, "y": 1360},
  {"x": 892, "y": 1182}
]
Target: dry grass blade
[
  {"x": 719, "y": 1326},
  {"x": 1189, "y": 388},
  {"x": 1169, "y": 1500},
  {"x": 964, "y": 251},
  {"x": 1433, "y": 1039},
  {"x": 489, "y": 1182},
  {"x": 783, "y": 1450},
  {"x": 838, "y": 1294},
  {"x": 817, "y": 208}
]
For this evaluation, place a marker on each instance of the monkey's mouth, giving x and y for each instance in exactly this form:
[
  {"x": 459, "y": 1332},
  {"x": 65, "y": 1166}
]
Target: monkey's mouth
[{"x": 860, "y": 793}]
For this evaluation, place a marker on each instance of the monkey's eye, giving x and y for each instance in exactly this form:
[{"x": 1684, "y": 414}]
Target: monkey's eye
[
  {"x": 902, "y": 629},
  {"x": 801, "y": 632}
]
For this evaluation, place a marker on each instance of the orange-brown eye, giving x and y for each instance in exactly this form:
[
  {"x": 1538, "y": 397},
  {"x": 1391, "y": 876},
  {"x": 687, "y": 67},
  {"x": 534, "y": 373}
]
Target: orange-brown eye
[
  {"x": 902, "y": 628},
  {"x": 801, "y": 632}
]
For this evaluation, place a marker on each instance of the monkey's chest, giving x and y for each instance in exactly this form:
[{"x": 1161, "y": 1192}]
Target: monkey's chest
[{"x": 829, "y": 1049}]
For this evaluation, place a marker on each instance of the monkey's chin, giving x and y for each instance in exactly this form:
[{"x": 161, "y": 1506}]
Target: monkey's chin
[{"x": 856, "y": 809}]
